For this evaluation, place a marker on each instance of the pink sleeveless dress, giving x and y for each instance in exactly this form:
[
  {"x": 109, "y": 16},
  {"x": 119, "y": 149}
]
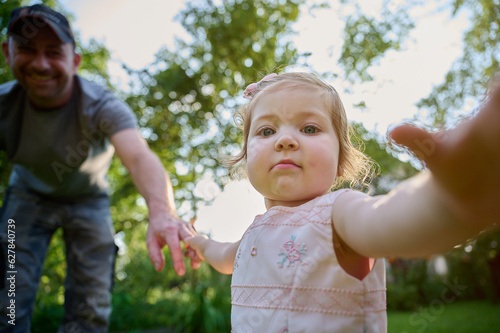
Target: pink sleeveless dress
[{"x": 287, "y": 277}]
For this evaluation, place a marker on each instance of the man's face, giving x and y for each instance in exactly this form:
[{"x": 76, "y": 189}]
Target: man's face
[{"x": 43, "y": 65}]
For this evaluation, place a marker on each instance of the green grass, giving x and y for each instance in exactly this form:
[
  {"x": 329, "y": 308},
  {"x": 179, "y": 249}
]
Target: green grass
[
  {"x": 456, "y": 317},
  {"x": 438, "y": 317}
]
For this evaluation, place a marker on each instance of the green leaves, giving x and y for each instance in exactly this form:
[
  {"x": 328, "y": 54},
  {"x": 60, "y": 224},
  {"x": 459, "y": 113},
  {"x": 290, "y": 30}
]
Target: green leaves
[
  {"x": 467, "y": 79},
  {"x": 94, "y": 65},
  {"x": 186, "y": 101},
  {"x": 367, "y": 39}
]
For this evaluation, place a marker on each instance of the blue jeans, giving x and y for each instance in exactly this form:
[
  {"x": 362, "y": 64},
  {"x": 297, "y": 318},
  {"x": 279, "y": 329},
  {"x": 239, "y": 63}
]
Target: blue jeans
[{"x": 27, "y": 224}]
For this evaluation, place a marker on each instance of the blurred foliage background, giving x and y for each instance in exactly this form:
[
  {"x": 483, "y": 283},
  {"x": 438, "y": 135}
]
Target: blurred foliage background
[{"x": 184, "y": 102}]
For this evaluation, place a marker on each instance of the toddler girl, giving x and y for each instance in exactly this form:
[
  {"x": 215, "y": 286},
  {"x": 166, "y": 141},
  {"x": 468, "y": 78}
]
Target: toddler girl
[{"x": 313, "y": 262}]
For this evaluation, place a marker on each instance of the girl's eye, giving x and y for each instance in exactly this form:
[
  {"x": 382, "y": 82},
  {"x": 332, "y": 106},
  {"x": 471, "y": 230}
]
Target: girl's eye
[
  {"x": 310, "y": 129},
  {"x": 267, "y": 132}
]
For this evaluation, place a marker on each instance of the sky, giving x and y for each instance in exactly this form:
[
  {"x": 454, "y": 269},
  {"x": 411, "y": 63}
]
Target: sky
[{"x": 135, "y": 30}]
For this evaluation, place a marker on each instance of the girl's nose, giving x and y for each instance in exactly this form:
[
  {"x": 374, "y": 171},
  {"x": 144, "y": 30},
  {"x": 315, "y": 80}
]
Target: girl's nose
[{"x": 286, "y": 142}]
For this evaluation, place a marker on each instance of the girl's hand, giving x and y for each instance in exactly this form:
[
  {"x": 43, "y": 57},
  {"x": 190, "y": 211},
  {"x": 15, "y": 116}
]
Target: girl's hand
[
  {"x": 195, "y": 246},
  {"x": 464, "y": 161}
]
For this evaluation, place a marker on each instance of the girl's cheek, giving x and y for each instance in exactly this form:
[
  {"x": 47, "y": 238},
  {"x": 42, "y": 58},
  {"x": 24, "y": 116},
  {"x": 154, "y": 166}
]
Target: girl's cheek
[{"x": 253, "y": 149}]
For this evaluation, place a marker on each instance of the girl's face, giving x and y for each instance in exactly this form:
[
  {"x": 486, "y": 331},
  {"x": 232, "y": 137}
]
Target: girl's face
[{"x": 292, "y": 148}]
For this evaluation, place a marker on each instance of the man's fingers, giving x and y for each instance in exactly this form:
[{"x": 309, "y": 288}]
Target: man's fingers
[
  {"x": 195, "y": 264},
  {"x": 176, "y": 253},
  {"x": 171, "y": 234},
  {"x": 155, "y": 254}
]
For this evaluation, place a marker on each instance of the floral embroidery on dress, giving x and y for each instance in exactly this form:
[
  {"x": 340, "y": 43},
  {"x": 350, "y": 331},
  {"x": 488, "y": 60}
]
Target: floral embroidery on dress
[{"x": 292, "y": 252}]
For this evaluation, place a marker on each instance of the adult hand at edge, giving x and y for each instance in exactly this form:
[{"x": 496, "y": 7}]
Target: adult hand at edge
[{"x": 169, "y": 230}]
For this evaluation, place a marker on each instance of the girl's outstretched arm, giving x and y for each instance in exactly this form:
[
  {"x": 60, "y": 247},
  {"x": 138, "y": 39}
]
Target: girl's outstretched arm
[
  {"x": 453, "y": 201},
  {"x": 219, "y": 255}
]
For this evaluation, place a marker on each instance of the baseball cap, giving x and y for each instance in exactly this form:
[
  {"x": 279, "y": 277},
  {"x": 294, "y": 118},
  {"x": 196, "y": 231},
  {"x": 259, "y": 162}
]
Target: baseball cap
[{"x": 24, "y": 22}]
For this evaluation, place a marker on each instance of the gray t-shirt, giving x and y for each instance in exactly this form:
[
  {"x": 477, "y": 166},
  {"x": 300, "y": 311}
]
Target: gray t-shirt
[{"x": 63, "y": 152}]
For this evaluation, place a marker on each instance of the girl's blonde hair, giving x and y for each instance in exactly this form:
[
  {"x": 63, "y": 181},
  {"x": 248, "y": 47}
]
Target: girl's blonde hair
[{"x": 355, "y": 167}]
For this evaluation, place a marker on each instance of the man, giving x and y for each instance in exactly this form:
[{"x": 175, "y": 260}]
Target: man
[{"x": 59, "y": 130}]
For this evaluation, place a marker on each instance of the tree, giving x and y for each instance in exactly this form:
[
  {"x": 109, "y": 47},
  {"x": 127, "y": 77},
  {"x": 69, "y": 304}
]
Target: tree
[
  {"x": 367, "y": 39},
  {"x": 468, "y": 77},
  {"x": 186, "y": 98}
]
